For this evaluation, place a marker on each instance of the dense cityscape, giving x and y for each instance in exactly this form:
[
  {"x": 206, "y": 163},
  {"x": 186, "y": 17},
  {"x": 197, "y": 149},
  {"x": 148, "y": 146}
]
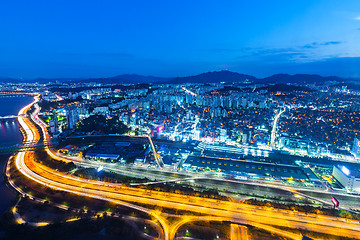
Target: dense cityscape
[
  {"x": 180, "y": 120},
  {"x": 270, "y": 145}
]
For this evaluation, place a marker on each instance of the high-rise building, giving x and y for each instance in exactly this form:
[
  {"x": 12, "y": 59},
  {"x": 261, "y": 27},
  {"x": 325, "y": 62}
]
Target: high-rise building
[
  {"x": 168, "y": 107},
  {"x": 72, "y": 116},
  {"x": 244, "y": 138},
  {"x": 52, "y": 126},
  {"x": 223, "y": 136},
  {"x": 54, "y": 123}
]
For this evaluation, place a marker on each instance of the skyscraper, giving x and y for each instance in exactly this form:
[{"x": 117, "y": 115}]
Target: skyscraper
[{"x": 72, "y": 116}]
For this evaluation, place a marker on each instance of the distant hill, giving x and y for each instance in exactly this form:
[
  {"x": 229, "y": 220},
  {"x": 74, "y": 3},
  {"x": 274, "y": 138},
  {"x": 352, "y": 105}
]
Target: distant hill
[
  {"x": 215, "y": 77},
  {"x": 233, "y": 77},
  {"x": 204, "y": 78},
  {"x": 300, "y": 78}
]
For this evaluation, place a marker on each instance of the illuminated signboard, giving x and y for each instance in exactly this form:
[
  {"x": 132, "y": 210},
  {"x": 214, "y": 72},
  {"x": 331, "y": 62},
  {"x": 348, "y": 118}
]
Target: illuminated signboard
[
  {"x": 335, "y": 201},
  {"x": 345, "y": 170}
]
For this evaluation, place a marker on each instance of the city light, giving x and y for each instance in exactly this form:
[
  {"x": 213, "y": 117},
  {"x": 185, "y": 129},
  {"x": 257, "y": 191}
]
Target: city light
[
  {"x": 222, "y": 161},
  {"x": 177, "y": 148}
]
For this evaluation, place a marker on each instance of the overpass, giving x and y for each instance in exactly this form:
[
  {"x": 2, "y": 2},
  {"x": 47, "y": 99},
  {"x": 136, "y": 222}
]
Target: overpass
[{"x": 26, "y": 146}]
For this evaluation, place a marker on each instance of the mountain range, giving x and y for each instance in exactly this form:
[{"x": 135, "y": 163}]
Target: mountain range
[{"x": 204, "y": 78}]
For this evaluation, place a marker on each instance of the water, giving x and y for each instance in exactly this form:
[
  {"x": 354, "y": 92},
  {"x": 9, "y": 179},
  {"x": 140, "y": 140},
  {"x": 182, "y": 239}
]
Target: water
[
  {"x": 9, "y": 129},
  {"x": 9, "y": 135}
]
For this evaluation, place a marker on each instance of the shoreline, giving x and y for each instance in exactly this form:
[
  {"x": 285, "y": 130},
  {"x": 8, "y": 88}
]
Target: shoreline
[{"x": 8, "y": 195}]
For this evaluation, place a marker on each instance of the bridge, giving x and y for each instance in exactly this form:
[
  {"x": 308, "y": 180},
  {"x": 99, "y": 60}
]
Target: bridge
[
  {"x": 11, "y": 116},
  {"x": 18, "y": 93},
  {"x": 26, "y": 146}
]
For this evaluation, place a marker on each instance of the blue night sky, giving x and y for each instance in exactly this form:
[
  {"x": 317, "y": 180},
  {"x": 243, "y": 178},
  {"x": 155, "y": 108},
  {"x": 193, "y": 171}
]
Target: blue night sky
[{"x": 178, "y": 37}]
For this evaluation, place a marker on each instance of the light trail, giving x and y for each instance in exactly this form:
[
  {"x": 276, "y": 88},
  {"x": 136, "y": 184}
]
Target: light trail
[
  {"x": 189, "y": 92},
  {"x": 274, "y": 128},
  {"x": 238, "y": 232},
  {"x": 178, "y": 204},
  {"x": 243, "y": 232},
  {"x": 165, "y": 181},
  {"x": 22, "y": 167},
  {"x": 20, "y": 220}
]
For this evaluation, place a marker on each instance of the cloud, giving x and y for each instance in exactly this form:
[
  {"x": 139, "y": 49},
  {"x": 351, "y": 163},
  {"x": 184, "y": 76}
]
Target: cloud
[
  {"x": 276, "y": 51},
  {"x": 273, "y": 55},
  {"x": 335, "y": 66},
  {"x": 310, "y": 45},
  {"x": 331, "y": 43},
  {"x": 290, "y": 53},
  {"x": 310, "y": 52},
  {"x": 357, "y": 18},
  {"x": 318, "y": 44},
  {"x": 340, "y": 66}
]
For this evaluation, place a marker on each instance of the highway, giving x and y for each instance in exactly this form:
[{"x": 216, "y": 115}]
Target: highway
[{"x": 130, "y": 196}]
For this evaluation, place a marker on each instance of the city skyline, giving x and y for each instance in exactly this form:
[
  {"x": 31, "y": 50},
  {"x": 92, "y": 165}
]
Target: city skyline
[
  {"x": 249, "y": 155},
  {"x": 168, "y": 39}
]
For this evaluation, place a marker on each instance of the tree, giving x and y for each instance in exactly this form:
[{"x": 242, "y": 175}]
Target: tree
[{"x": 100, "y": 123}]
